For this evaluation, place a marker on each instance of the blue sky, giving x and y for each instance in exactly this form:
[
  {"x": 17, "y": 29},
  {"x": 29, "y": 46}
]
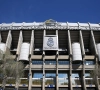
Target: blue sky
[{"x": 41, "y": 10}]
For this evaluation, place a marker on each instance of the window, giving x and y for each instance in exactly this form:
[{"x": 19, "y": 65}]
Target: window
[
  {"x": 75, "y": 75},
  {"x": 76, "y": 80},
  {"x": 37, "y": 75},
  {"x": 63, "y": 62},
  {"x": 87, "y": 75},
  {"x": 89, "y": 62},
  {"x": 50, "y": 62},
  {"x": 37, "y": 62},
  {"x": 63, "y": 75},
  {"x": 48, "y": 75}
]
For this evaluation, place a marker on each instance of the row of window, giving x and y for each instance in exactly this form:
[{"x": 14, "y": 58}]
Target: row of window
[
  {"x": 50, "y": 62},
  {"x": 60, "y": 75}
]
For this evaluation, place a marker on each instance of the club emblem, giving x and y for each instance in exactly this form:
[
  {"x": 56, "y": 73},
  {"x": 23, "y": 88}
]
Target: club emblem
[{"x": 50, "y": 42}]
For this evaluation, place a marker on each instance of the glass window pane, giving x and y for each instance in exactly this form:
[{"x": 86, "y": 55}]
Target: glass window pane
[
  {"x": 37, "y": 62},
  {"x": 49, "y": 75},
  {"x": 75, "y": 75},
  {"x": 37, "y": 75},
  {"x": 50, "y": 62},
  {"x": 89, "y": 63},
  {"x": 87, "y": 75},
  {"x": 63, "y": 75},
  {"x": 63, "y": 62}
]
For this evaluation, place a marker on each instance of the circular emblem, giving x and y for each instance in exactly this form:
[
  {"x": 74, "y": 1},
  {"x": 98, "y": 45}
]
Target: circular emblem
[{"x": 50, "y": 42}]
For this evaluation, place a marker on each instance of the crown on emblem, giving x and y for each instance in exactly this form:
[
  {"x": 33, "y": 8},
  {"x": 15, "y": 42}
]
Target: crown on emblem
[{"x": 50, "y": 39}]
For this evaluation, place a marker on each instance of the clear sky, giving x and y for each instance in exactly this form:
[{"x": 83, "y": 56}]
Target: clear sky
[{"x": 41, "y": 10}]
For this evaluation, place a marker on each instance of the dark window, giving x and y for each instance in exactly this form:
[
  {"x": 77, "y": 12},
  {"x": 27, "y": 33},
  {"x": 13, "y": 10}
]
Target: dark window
[
  {"x": 37, "y": 62},
  {"x": 50, "y": 62},
  {"x": 89, "y": 62},
  {"x": 63, "y": 62}
]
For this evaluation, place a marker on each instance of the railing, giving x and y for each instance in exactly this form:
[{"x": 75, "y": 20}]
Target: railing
[
  {"x": 63, "y": 81},
  {"x": 24, "y": 81},
  {"x": 76, "y": 81},
  {"x": 49, "y": 81},
  {"x": 89, "y": 81},
  {"x": 36, "y": 81},
  {"x": 11, "y": 81}
]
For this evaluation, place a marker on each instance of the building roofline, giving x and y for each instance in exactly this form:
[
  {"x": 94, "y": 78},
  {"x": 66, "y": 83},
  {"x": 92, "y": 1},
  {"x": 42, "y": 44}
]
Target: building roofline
[{"x": 50, "y": 25}]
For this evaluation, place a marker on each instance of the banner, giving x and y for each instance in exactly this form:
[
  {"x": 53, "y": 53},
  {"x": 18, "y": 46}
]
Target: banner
[{"x": 50, "y": 43}]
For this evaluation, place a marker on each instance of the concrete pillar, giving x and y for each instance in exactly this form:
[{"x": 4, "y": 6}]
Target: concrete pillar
[
  {"x": 97, "y": 82},
  {"x": 83, "y": 66},
  {"x": 9, "y": 40},
  {"x": 32, "y": 43},
  {"x": 30, "y": 64},
  {"x": 84, "y": 82},
  {"x": 43, "y": 80},
  {"x": 20, "y": 41},
  {"x": 96, "y": 58},
  {"x": 18, "y": 52},
  {"x": 70, "y": 74},
  {"x": 30, "y": 75},
  {"x": 82, "y": 44},
  {"x": 57, "y": 53},
  {"x": 93, "y": 42},
  {"x": 43, "y": 55},
  {"x": 70, "y": 66},
  {"x": 69, "y": 43},
  {"x": 57, "y": 88}
]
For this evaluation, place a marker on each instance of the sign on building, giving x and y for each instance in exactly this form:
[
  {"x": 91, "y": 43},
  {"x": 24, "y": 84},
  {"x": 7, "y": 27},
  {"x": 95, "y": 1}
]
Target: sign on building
[{"x": 50, "y": 42}]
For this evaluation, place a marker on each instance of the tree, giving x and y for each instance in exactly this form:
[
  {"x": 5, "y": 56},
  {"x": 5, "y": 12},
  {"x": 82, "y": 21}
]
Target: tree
[
  {"x": 95, "y": 74},
  {"x": 9, "y": 68}
]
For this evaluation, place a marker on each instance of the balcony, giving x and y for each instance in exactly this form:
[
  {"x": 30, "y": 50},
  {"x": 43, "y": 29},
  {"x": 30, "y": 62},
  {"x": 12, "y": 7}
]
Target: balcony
[
  {"x": 52, "y": 67},
  {"x": 35, "y": 67},
  {"x": 24, "y": 82},
  {"x": 76, "y": 82},
  {"x": 63, "y": 67},
  {"x": 76, "y": 66},
  {"x": 89, "y": 67},
  {"x": 63, "y": 82},
  {"x": 89, "y": 82},
  {"x": 36, "y": 82},
  {"x": 50, "y": 81}
]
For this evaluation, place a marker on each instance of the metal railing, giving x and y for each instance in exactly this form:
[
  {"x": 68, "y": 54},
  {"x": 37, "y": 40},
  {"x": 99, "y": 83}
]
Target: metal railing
[
  {"x": 49, "y": 81},
  {"x": 63, "y": 81},
  {"x": 36, "y": 81}
]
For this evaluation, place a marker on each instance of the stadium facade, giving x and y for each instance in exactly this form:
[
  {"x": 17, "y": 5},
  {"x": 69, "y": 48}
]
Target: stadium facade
[{"x": 57, "y": 55}]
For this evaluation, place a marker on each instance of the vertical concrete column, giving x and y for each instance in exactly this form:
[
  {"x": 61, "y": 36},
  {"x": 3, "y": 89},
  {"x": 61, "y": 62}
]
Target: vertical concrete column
[
  {"x": 20, "y": 41},
  {"x": 81, "y": 42},
  {"x": 32, "y": 43},
  {"x": 70, "y": 58},
  {"x": 70, "y": 74},
  {"x": 57, "y": 53},
  {"x": 30, "y": 75},
  {"x": 69, "y": 44},
  {"x": 43, "y": 55},
  {"x": 9, "y": 40},
  {"x": 18, "y": 52},
  {"x": 97, "y": 82},
  {"x": 43, "y": 80},
  {"x": 83, "y": 54},
  {"x": 96, "y": 58},
  {"x": 30, "y": 64},
  {"x": 84, "y": 81},
  {"x": 93, "y": 41},
  {"x": 57, "y": 88}
]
